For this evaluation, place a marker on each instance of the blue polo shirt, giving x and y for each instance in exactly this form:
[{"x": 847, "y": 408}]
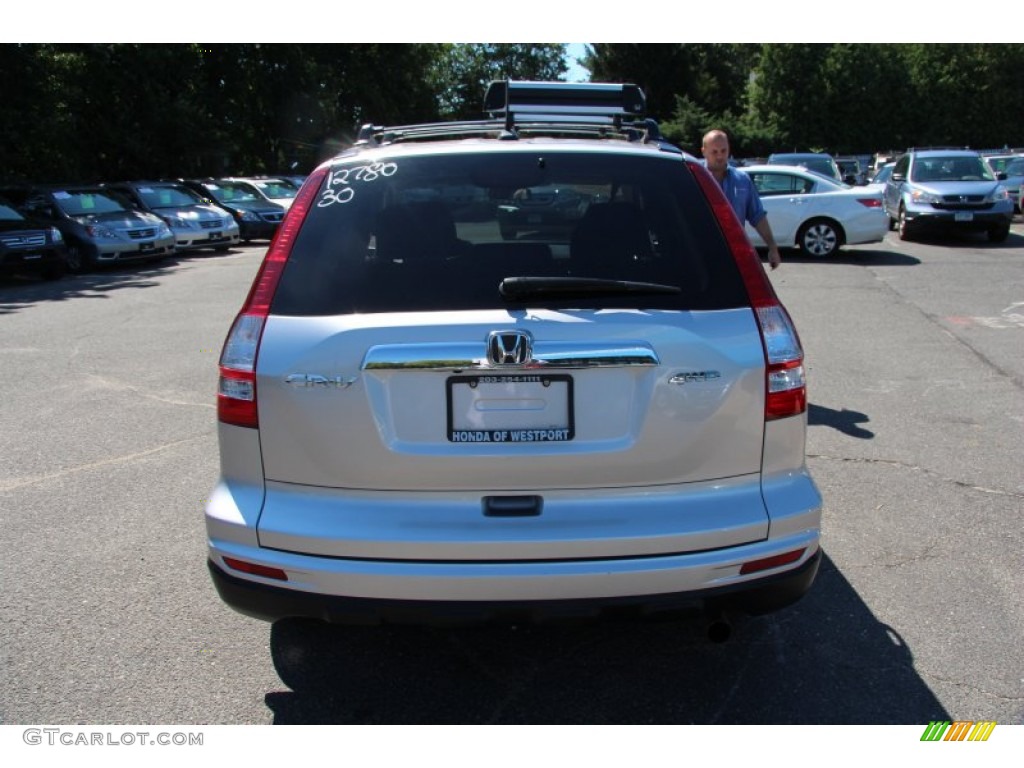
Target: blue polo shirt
[{"x": 742, "y": 195}]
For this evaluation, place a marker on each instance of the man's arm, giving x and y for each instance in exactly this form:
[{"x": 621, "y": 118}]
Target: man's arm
[
  {"x": 764, "y": 229},
  {"x": 756, "y": 213}
]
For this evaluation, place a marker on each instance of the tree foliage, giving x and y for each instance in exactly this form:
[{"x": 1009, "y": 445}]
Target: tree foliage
[
  {"x": 462, "y": 72},
  {"x": 834, "y": 97},
  {"x": 714, "y": 76},
  {"x": 77, "y": 112}
]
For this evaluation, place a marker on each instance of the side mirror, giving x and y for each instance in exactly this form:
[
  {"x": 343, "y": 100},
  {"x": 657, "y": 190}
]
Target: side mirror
[
  {"x": 897, "y": 177},
  {"x": 1001, "y": 176}
]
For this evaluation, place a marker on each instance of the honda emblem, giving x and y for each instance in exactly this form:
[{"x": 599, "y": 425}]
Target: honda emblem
[{"x": 509, "y": 348}]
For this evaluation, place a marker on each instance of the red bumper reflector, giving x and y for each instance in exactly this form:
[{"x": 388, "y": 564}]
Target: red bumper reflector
[
  {"x": 775, "y": 561},
  {"x": 256, "y": 570}
]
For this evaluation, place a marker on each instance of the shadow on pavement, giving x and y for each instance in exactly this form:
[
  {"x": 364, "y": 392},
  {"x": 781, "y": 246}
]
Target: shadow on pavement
[
  {"x": 966, "y": 239},
  {"x": 21, "y": 291},
  {"x": 825, "y": 660},
  {"x": 845, "y": 421},
  {"x": 860, "y": 257}
]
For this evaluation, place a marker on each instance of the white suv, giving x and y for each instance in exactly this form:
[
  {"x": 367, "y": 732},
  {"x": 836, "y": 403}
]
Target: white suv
[{"x": 439, "y": 403}]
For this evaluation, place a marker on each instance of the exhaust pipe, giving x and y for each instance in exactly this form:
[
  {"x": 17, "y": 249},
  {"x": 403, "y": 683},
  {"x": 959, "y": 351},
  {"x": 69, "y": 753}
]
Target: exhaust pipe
[{"x": 719, "y": 628}]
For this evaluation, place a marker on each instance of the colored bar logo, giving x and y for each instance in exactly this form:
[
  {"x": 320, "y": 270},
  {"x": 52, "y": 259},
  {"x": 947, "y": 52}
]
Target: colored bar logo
[{"x": 960, "y": 730}]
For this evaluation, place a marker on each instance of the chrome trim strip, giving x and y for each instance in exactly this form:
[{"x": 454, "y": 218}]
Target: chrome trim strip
[{"x": 473, "y": 357}]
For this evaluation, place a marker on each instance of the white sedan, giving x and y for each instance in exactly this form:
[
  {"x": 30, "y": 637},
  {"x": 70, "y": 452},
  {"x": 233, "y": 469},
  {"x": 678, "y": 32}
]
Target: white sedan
[{"x": 811, "y": 212}]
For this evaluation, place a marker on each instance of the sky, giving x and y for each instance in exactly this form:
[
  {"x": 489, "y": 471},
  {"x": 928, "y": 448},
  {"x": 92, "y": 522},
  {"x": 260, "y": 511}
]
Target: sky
[
  {"x": 462, "y": 21},
  {"x": 577, "y": 74}
]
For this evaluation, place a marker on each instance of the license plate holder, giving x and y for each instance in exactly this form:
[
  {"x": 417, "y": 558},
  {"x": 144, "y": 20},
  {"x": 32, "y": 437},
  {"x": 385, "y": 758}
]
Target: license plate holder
[
  {"x": 511, "y": 408},
  {"x": 964, "y": 216}
]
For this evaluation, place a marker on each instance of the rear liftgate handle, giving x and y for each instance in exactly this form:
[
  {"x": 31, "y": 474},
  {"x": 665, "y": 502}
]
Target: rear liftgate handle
[{"x": 513, "y": 506}]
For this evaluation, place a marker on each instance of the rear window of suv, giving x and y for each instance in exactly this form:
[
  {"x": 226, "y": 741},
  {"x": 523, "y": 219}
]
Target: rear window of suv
[{"x": 441, "y": 231}]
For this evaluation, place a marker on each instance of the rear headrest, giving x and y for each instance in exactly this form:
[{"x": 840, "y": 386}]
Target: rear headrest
[
  {"x": 415, "y": 232},
  {"x": 608, "y": 237}
]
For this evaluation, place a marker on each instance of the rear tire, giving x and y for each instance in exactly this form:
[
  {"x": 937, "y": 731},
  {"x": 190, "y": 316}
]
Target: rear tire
[{"x": 820, "y": 238}]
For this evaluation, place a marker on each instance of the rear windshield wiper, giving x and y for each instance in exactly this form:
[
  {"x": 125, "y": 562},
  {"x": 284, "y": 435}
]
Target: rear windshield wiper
[{"x": 514, "y": 288}]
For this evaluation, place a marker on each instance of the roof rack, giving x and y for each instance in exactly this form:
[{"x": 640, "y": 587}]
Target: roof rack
[
  {"x": 521, "y": 108},
  {"x": 532, "y": 99}
]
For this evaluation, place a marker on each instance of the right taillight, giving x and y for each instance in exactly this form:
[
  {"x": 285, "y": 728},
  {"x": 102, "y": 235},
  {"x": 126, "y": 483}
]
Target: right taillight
[
  {"x": 236, "y": 392},
  {"x": 785, "y": 380}
]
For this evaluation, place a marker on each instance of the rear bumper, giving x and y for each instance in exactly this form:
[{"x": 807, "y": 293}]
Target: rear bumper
[{"x": 473, "y": 593}]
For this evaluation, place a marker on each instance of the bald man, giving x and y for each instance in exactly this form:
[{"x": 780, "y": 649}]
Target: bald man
[{"x": 739, "y": 190}]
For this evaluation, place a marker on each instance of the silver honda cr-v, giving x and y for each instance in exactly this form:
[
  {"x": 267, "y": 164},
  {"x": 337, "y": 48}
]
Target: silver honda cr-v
[{"x": 514, "y": 368}]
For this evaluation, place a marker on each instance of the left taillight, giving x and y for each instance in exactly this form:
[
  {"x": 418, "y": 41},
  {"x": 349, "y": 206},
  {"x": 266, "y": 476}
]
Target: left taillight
[{"x": 236, "y": 391}]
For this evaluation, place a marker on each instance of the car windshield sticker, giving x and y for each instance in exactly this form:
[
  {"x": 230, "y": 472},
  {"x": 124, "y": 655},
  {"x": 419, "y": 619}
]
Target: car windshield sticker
[
  {"x": 61, "y": 196},
  {"x": 339, "y": 182}
]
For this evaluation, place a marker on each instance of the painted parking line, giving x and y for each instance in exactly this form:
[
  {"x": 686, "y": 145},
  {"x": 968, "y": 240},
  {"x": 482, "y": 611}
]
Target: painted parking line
[{"x": 1011, "y": 317}]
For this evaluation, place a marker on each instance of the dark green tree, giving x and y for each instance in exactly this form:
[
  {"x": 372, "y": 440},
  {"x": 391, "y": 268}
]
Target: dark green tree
[
  {"x": 91, "y": 112},
  {"x": 463, "y": 71},
  {"x": 967, "y": 94},
  {"x": 31, "y": 113},
  {"x": 712, "y": 76},
  {"x": 787, "y": 95}
]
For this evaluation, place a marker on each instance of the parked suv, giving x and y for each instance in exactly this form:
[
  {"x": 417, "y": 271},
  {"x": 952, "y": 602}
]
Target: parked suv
[
  {"x": 429, "y": 414},
  {"x": 851, "y": 171},
  {"x": 277, "y": 190},
  {"x": 944, "y": 189},
  {"x": 196, "y": 224},
  {"x": 812, "y": 161},
  {"x": 1011, "y": 172},
  {"x": 29, "y": 246},
  {"x": 99, "y": 226}
]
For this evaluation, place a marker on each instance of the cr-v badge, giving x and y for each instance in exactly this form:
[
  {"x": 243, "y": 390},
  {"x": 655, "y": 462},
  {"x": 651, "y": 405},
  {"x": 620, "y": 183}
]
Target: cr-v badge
[{"x": 315, "y": 380}]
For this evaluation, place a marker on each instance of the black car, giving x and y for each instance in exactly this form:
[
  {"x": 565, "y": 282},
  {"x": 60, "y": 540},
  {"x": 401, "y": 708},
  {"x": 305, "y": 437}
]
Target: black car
[
  {"x": 27, "y": 245},
  {"x": 257, "y": 217}
]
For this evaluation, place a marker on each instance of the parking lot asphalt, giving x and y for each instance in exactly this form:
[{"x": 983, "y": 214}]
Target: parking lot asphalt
[{"x": 915, "y": 435}]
